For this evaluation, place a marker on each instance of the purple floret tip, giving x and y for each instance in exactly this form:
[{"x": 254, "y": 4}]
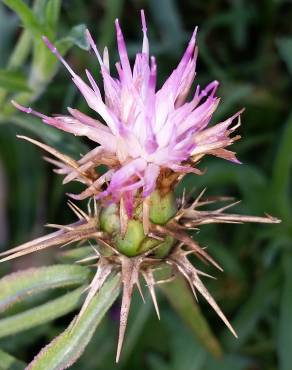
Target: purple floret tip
[{"x": 143, "y": 21}]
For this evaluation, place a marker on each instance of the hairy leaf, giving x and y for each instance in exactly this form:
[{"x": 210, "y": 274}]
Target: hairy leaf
[
  {"x": 19, "y": 285},
  {"x": 64, "y": 350},
  {"x": 73, "y": 255},
  {"x": 41, "y": 314}
]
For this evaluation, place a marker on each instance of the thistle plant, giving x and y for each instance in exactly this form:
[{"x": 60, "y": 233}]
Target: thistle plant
[{"x": 148, "y": 139}]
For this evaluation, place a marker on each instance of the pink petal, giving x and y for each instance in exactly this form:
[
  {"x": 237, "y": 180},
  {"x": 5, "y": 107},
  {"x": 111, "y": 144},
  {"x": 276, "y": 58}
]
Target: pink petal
[
  {"x": 150, "y": 176},
  {"x": 145, "y": 47},
  {"x": 72, "y": 125},
  {"x": 123, "y": 52}
]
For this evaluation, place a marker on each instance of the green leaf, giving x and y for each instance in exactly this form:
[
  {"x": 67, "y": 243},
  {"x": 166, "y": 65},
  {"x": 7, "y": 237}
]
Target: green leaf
[
  {"x": 38, "y": 8},
  {"x": 184, "y": 350},
  {"x": 8, "y": 362},
  {"x": 26, "y": 15},
  {"x": 282, "y": 173},
  {"x": 64, "y": 350},
  {"x": 75, "y": 254},
  {"x": 227, "y": 174},
  {"x": 253, "y": 309},
  {"x": 61, "y": 141},
  {"x": 284, "y": 45},
  {"x": 41, "y": 314},
  {"x": 221, "y": 20},
  {"x": 242, "y": 16},
  {"x": 45, "y": 65},
  {"x": 233, "y": 93},
  {"x": 165, "y": 14},
  {"x": 20, "y": 51},
  {"x": 112, "y": 11},
  {"x": 229, "y": 362},
  {"x": 191, "y": 314},
  {"x": 8, "y": 23},
  {"x": 52, "y": 15},
  {"x": 27, "y": 198},
  {"x": 285, "y": 323},
  {"x": 19, "y": 285},
  {"x": 76, "y": 36},
  {"x": 13, "y": 80}
]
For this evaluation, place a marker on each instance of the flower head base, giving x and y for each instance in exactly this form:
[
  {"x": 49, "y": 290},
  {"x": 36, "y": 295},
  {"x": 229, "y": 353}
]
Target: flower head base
[
  {"x": 148, "y": 131},
  {"x": 164, "y": 245}
]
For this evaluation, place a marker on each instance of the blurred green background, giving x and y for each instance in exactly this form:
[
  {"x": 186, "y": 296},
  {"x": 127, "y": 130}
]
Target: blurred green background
[{"x": 247, "y": 46}]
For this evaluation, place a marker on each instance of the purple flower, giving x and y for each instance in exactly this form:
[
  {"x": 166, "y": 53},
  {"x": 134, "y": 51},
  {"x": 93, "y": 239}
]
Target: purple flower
[{"x": 148, "y": 131}]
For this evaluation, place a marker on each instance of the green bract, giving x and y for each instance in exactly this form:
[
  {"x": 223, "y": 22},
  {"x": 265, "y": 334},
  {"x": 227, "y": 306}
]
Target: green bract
[
  {"x": 135, "y": 241},
  {"x": 130, "y": 243},
  {"x": 162, "y": 207},
  {"x": 109, "y": 219}
]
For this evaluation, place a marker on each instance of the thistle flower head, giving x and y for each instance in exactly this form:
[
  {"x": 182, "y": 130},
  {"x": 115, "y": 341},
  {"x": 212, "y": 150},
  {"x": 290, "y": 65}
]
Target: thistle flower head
[
  {"x": 148, "y": 138},
  {"x": 144, "y": 132}
]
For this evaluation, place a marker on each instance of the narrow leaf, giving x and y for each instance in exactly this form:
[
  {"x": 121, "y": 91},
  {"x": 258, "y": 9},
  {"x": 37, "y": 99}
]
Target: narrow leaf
[
  {"x": 254, "y": 309},
  {"x": 112, "y": 11},
  {"x": 61, "y": 141},
  {"x": 12, "y": 80},
  {"x": 189, "y": 311},
  {"x": 284, "y": 45},
  {"x": 282, "y": 172},
  {"x": 41, "y": 314},
  {"x": 26, "y": 15},
  {"x": 52, "y": 15},
  {"x": 76, "y": 36},
  {"x": 64, "y": 350},
  {"x": 285, "y": 323},
  {"x": 9, "y": 362},
  {"x": 75, "y": 254},
  {"x": 19, "y": 285}
]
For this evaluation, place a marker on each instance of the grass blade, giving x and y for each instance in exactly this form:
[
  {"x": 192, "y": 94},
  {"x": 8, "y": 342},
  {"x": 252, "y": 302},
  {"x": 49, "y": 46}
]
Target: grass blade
[
  {"x": 189, "y": 311},
  {"x": 285, "y": 323},
  {"x": 26, "y": 15}
]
